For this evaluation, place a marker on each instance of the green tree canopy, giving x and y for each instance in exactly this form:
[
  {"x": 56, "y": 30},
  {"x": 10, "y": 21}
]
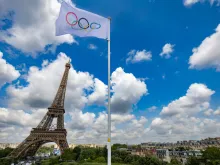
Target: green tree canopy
[
  {"x": 193, "y": 161},
  {"x": 77, "y": 151},
  {"x": 117, "y": 145},
  {"x": 100, "y": 160},
  {"x": 87, "y": 153},
  {"x": 68, "y": 155},
  {"x": 211, "y": 153},
  {"x": 44, "y": 149},
  {"x": 5, "y": 152}
]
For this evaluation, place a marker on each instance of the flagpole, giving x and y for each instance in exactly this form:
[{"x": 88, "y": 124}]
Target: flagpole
[{"x": 109, "y": 98}]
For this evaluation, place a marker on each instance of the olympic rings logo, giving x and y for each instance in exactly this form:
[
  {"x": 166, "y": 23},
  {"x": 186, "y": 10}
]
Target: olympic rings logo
[{"x": 83, "y": 23}]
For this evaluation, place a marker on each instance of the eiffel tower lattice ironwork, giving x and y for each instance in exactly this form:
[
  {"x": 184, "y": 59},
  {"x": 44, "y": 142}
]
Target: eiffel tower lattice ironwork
[{"x": 44, "y": 133}]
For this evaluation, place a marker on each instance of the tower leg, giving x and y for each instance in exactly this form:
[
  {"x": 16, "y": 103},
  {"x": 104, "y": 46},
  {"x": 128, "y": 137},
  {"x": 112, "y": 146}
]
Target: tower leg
[{"x": 63, "y": 145}]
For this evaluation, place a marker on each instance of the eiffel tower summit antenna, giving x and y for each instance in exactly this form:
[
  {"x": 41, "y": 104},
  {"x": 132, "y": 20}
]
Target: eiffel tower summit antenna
[{"x": 45, "y": 131}]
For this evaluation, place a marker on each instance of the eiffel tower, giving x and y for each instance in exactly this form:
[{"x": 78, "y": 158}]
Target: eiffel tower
[{"x": 45, "y": 132}]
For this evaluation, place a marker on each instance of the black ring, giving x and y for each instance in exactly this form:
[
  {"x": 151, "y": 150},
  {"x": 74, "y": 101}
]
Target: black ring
[{"x": 80, "y": 25}]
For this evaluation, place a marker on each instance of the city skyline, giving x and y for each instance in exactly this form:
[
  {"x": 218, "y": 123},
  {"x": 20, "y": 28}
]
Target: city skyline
[
  {"x": 165, "y": 71},
  {"x": 193, "y": 144}
]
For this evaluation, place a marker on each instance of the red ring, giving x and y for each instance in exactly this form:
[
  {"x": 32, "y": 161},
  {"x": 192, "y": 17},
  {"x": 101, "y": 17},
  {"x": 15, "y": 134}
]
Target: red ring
[{"x": 68, "y": 21}]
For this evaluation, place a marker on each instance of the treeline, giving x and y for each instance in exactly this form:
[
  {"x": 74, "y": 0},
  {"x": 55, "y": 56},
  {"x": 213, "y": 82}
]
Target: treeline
[
  {"x": 45, "y": 149},
  {"x": 99, "y": 155},
  {"x": 211, "y": 156},
  {"x": 80, "y": 155},
  {"x": 5, "y": 152}
]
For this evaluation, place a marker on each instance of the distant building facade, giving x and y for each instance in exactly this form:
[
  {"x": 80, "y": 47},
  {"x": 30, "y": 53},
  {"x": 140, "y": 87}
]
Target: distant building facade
[
  {"x": 193, "y": 144},
  {"x": 8, "y": 145},
  {"x": 84, "y": 145}
]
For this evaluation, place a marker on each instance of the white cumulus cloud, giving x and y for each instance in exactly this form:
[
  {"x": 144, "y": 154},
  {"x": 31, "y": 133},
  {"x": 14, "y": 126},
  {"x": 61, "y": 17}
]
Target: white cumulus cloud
[
  {"x": 208, "y": 112},
  {"x": 43, "y": 84},
  {"x": 11, "y": 117},
  {"x": 192, "y": 2},
  {"x": 207, "y": 54},
  {"x": 217, "y": 112},
  {"x": 99, "y": 94},
  {"x": 196, "y": 99},
  {"x": 127, "y": 91},
  {"x": 152, "y": 109},
  {"x": 160, "y": 126},
  {"x": 8, "y": 72},
  {"x": 135, "y": 56},
  {"x": 33, "y": 25},
  {"x": 180, "y": 118},
  {"x": 80, "y": 120},
  {"x": 92, "y": 46},
  {"x": 167, "y": 50}
]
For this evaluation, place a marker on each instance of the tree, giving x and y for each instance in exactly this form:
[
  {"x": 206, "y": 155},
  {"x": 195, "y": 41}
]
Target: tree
[
  {"x": 135, "y": 158},
  {"x": 44, "y": 149},
  {"x": 211, "y": 156},
  {"x": 68, "y": 155},
  {"x": 5, "y": 161},
  {"x": 139, "y": 146},
  {"x": 117, "y": 145},
  {"x": 174, "y": 161},
  {"x": 100, "y": 160},
  {"x": 215, "y": 162},
  {"x": 123, "y": 154},
  {"x": 77, "y": 151},
  {"x": 99, "y": 152},
  {"x": 128, "y": 159},
  {"x": 54, "y": 161},
  {"x": 193, "y": 161},
  {"x": 141, "y": 161},
  {"x": 155, "y": 161},
  {"x": 116, "y": 159},
  {"x": 105, "y": 152},
  {"x": 89, "y": 160},
  {"x": 87, "y": 153},
  {"x": 211, "y": 153},
  {"x": 51, "y": 161},
  {"x": 5, "y": 152}
]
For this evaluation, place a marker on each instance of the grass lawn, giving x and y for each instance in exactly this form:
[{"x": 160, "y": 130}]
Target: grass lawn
[{"x": 102, "y": 164}]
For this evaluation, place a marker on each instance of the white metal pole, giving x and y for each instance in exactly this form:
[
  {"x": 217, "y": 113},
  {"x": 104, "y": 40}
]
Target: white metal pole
[{"x": 109, "y": 99}]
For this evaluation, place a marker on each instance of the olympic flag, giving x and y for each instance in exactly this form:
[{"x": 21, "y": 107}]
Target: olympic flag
[{"x": 81, "y": 23}]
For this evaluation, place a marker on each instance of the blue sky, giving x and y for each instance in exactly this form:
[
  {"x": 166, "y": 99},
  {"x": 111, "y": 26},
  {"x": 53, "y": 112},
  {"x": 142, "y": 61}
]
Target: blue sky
[{"x": 28, "y": 38}]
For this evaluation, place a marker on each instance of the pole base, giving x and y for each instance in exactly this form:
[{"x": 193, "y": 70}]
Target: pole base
[{"x": 109, "y": 152}]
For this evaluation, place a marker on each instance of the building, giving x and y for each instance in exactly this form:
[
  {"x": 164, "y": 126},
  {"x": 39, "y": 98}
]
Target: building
[
  {"x": 143, "y": 152},
  {"x": 192, "y": 144},
  {"x": 163, "y": 154},
  {"x": 8, "y": 145}
]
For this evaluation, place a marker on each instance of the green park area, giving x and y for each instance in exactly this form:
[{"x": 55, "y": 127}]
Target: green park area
[
  {"x": 98, "y": 156},
  {"x": 69, "y": 163}
]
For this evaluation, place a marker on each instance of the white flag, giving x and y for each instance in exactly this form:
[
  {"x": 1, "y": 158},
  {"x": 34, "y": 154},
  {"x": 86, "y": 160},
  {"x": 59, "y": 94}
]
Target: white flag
[{"x": 82, "y": 23}]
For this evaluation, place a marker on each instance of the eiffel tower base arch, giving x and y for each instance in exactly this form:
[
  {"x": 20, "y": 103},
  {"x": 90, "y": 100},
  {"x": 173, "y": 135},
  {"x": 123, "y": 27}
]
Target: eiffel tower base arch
[{"x": 37, "y": 138}]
